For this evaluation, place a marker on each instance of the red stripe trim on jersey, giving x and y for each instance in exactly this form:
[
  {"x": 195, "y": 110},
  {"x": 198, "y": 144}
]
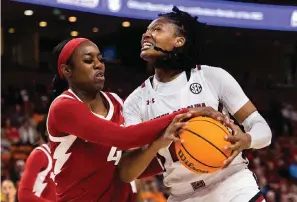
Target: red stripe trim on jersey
[
  {"x": 260, "y": 199},
  {"x": 143, "y": 85},
  {"x": 198, "y": 67},
  {"x": 257, "y": 198}
]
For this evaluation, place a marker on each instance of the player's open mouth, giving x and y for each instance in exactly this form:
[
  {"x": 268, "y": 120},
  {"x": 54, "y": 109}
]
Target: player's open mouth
[
  {"x": 146, "y": 45},
  {"x": 99, "y": 76}
]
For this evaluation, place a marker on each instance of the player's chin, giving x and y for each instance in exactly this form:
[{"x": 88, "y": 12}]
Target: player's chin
[
  {"x": 148, "y": 54},
  {"x": 99, "y": 86}
]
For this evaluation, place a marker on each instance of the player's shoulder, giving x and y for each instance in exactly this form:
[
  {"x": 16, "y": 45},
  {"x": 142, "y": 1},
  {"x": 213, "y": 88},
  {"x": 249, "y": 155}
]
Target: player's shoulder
[
  {"x": 211, "y": 69},
  {"x": 114, "y": 97},
  {"x": 38, "y": 154},
  {"x": 135, "y": 95},
  {"x": 214, "y": 73},
  {"x": 67, "y": 97},
  {"x": 44, "y": 148},
  {"x": 64, "y": 97}
]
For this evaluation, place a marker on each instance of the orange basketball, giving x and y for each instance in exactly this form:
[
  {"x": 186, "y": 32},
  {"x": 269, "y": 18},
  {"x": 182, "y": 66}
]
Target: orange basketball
[{"x": 202, "y": 147}]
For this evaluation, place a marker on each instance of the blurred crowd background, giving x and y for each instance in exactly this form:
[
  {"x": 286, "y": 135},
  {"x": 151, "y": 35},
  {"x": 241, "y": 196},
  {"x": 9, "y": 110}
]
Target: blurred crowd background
[{"x": 264, "y": 62}]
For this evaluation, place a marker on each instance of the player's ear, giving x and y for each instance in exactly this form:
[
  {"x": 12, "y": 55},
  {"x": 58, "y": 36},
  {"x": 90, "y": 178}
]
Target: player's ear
[
  {"x": 180, "y": 41},
  {"x": 66, "y": 70}
]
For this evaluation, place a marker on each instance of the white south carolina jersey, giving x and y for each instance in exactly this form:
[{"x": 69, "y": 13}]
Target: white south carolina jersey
[{"x": 206, "y": 86}]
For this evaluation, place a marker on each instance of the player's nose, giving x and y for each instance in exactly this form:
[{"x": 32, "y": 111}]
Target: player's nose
[
  {"x": 98, "y": 65},
  {"x": 146, "y": 35}
]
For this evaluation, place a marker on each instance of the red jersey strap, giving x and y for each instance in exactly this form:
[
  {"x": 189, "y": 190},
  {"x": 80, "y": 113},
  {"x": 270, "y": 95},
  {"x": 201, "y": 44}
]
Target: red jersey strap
[{"x": 115, "y": 97}]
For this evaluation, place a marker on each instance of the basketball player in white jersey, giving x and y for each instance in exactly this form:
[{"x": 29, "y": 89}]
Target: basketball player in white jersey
[{"x": 171, "y": 44}]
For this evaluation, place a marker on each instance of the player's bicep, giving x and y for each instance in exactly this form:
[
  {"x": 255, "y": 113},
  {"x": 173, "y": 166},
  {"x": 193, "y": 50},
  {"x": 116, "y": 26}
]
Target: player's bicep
[
  {"x": 230, "y": 93},
  {"x": 245, "y": 111}
]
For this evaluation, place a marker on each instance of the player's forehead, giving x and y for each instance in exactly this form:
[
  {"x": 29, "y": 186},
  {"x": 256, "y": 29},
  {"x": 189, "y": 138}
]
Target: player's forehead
[
  {"x": 87, "y": 48},
  {"x": 163, "y": 21}
]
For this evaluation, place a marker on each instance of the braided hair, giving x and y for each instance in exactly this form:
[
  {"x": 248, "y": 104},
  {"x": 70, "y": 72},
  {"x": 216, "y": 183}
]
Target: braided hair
[
  {"x": 59, "y": 84},
  {"x": 190, "y": 54},
  {"x": 41, "y": 129}
]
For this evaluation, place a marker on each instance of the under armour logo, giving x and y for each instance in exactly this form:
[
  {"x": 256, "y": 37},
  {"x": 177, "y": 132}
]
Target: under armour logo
[
  {"x": 152, "y": 101},
  {"x": 195, "y": 88}
]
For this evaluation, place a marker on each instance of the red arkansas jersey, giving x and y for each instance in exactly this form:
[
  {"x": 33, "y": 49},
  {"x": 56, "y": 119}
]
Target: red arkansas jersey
[
  {"x": 84, "y": 171},
  {"x": 36, "y": 184}
]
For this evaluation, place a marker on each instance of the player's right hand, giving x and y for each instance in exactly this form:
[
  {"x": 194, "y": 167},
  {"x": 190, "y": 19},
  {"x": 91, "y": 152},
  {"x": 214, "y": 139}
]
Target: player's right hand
[
  {"x": 172, "y": 131},
  {"x": 212, "y": 113}
]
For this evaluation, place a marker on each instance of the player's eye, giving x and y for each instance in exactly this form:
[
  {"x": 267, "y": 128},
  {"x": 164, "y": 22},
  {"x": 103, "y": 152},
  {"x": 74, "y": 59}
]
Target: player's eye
[
  {"x": 157, "y": 29},
  {"x": 88, "y": 60},
  {"x": 102, "y": 60}
]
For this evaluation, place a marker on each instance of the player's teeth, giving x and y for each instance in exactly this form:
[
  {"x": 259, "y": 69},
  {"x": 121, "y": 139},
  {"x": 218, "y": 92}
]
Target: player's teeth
[{"x": 147, "y": 44}]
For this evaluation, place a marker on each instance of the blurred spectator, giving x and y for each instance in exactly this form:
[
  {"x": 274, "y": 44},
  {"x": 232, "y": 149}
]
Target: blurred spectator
[
  {"x": 17, "y": 116},
  {"x": 17, "y": 169},
  {"x": 275, "y": 117},
  {"x": 151, "y": 193},
  {"x": 27, "y": 131},
  {"x": 8, "y": 191},
  {"x": 5, "y": 144},
  {"x": 10, "y": 132},
  {"x": 293, "y": 168},
  {"x": 37, "y": 118},
  {"x": 292, "y": 196},
  {"x": 270, "y": 196},
  {"x": 288, "y": 114}
]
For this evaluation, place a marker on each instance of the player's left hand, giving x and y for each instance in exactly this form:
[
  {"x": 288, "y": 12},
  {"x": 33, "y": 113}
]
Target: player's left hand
[{"x": 239, "y": 141}]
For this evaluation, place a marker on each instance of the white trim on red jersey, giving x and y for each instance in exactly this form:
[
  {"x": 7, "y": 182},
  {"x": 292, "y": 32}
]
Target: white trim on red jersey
[
  {"x": 118, "y": 98},
  {"x": 40, "y": 185}
]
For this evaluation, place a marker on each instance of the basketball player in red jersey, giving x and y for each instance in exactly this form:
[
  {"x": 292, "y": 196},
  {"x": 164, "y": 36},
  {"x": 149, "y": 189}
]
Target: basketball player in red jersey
[
  {"x": 84, "y": 126},
  {"x": 36, "y": 184}
]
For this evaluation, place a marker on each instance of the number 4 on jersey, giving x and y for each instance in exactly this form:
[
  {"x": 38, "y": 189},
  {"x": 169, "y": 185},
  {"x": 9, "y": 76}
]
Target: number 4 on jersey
[{"x": 114, "y": 155}]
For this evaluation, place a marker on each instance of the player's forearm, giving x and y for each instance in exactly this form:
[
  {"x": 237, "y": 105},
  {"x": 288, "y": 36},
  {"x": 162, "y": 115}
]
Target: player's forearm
[
  {"x": 76, "y": 118},
  {"x": 122, "y": 137},
  {"x": 134, "y": 163},
  {"x": 28, "y": 195}
]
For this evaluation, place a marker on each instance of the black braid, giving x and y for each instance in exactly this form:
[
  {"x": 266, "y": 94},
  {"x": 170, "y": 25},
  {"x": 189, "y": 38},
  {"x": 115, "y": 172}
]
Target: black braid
[
  {"x": 190, "y": 54},
  {"x": 41, "y": 129},
  {"x": 58, "y": 84}
]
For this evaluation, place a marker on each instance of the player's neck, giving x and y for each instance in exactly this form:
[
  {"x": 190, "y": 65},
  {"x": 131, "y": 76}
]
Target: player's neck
[
  {"x": 95, "y": 101},
  {"x": 86, "y": 97},
  {"x": 166, "y": 75}
]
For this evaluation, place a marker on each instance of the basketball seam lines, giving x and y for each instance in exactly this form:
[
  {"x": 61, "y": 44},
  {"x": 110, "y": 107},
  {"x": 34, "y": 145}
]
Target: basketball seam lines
[
  {"x": 211, "y": 123},
  {"x": 207, "y": 141},
  {"x": 197, "y": 159},
  {"x": 210, "y": 142}
]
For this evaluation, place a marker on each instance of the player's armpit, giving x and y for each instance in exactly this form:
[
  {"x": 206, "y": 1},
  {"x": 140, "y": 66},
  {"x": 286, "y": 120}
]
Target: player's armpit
[{"x": 73, "y": 117}]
